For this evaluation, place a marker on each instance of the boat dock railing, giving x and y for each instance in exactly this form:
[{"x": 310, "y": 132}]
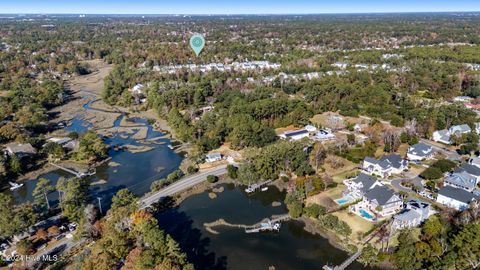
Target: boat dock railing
[
  {"x": 267, "y": 224},
  {"x": 253, "y": 187},
  {"x": 77, "y": 174},
  {"x": 345, "y": 263}
]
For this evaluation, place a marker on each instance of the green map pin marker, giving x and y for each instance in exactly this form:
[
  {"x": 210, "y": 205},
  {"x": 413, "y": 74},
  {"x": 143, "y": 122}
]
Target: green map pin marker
[{"x": 197, "y": 42}]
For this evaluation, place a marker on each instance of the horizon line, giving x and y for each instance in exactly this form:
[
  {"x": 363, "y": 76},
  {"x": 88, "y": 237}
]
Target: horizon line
[{"x": 245, "y": 14}]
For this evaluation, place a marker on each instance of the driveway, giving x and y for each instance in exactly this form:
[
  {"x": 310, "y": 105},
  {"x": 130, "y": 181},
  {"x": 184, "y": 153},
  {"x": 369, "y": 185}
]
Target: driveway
[
  {"x": 416, "y": 181},
  {"x": 451, "y": 155}
]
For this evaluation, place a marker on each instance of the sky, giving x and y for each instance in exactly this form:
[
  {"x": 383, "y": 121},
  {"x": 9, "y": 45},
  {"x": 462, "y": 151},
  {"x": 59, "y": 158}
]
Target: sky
[{"x": 233, "y": 7}]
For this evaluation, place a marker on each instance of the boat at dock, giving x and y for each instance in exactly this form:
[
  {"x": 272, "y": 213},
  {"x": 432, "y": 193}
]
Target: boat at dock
[
  {"x": 14, "y": 186},
  {"x": 273, "y": 224},
  {"x": 253, "y": 187}
]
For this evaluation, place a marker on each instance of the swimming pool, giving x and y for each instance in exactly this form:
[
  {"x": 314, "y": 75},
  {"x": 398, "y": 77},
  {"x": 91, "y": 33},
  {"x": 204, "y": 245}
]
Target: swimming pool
[
  {"x": 365, "y": 214},
  {"x": 343, "y": 200}
]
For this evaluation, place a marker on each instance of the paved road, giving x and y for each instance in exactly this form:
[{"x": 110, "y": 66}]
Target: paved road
[
  {"x": 60, "y": 246},
  {"x": 396, "y": 183},
  {"x": 452, "y": 155},
  {"x": 182, "y": 185}
]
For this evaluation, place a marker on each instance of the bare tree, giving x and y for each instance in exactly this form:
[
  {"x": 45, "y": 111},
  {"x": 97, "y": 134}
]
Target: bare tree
[
  {"x": 91, "y": 215},
  {"x": 411, "y": 127},
  {"x": 391, "y": 139},
  {"x": 320, "y": 155}
]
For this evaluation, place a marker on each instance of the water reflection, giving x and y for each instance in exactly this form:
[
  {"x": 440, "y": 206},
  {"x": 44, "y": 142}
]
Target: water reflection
[
  {"x": 232, "y": 248},
  {"x": 136, "y": 171}
]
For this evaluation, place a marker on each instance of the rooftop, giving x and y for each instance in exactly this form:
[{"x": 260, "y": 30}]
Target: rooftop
[
  {"x": 366, "y": 180},
  {"x": 470, "y": 169},
  {"x": 457, "y": 194},
  {"x": 381, "y": 194},
  {"x": 462, "y": 179},
  {"x": 17, "y": 148},
  {"x": 294, "y": 133},
  {"x": 420, "y": 149}
]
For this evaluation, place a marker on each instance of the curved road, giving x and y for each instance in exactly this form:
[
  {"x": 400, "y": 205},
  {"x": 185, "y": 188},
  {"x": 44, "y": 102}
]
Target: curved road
[
  {"x": 452, "y": 155},
  {"x": 181, "y": 185}
]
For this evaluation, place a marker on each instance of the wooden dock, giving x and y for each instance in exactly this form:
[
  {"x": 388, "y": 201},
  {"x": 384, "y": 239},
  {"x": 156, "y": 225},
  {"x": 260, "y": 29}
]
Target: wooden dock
[
  {"x": 346, "y": 263},
  {"x": 252, "y": 188},
  {"x": 267, "y": 224},
  {"x": 77, "y": 174}
]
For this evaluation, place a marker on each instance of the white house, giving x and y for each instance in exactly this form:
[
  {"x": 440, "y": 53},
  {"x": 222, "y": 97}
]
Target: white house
[
  {"x": 358, "y": 186},
  {"x": 462, "y": 99},
  {"x": 413, "y": 215},
  {"x": 455, "y": 198},
  {"x": 212, "y": 157},
  {"x": 461, "y": 180},
  {"x": 341, "y": 65},
  {"x": 475, "y": 161},
  {"x": 324, "y": 135},
  {"x": 420, "y": 151},
  {"x": 295, "y": 135},
  {"x": 471, "y": 170},
  {"x": 138, "y": 89},
  {"x": 65, "y": 142},
  {"x": 385, "y": 166},
  {"x": 379, "y": 200},
  {"x": 310, "y": 128},
  {"x": 442, "y": 136},
  {"x": 460, "y": 129}
]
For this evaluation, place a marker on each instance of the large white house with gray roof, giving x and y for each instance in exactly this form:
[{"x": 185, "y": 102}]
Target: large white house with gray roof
[
  {"x": 385, "y": 166},
  {"x": 420, "y": 151},
  {"x": 375, "y": 197},
  {"x": 358, "y": 186},
  {"x": 379, "y": 200},
  {"x": 461, "y": 180},
  {"x": 295, "y": 135},
  {"x": 444, "y": 135},
  {"x": 470, "y": 169},
  {"x": 414, "y": 213},
  {"x": 455, "y": 197}
]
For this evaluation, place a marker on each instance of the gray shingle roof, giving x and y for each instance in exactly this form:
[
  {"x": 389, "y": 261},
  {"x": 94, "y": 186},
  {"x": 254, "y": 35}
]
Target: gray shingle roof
[
  {"x": 462, "y": 179},
  {"x": 470, "y": 169},
  {"x": 457, "y": 194},
  {"x": 408, "y": 215},
  {"x": 420, "y": 149},
  {"x": 444, "y": 134},
  {"x": 380, "y": 193},
  {"x": 394, "y": 160},
  {"x": 366, "y": 180},
  {"x": 460, "y": 129}
]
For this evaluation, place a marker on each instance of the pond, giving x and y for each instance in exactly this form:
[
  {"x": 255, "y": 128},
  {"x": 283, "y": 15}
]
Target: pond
[{"x": 290, "y": 248}]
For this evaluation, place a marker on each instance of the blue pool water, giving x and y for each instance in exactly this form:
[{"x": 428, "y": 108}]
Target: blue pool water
[
  {"x": 343, "y": 200},
  {"x": 365, "y": 214}
]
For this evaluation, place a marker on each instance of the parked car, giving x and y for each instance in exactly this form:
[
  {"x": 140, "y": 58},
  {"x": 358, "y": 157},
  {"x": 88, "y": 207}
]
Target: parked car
[
  {"x": 72, "y": 226},
  {"x": 58, "y": 237}
]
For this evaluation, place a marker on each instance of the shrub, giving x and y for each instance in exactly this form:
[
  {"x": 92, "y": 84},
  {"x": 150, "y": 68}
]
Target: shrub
[
  {"x": 432, "y": 173},
  {"x": 232, "y": 171},
  {"x": 212, "y": 178},
  {"x": 174, "y": 176},
  {"x": 192, "y": 169},
  {"x": 314, "y": 210}
]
